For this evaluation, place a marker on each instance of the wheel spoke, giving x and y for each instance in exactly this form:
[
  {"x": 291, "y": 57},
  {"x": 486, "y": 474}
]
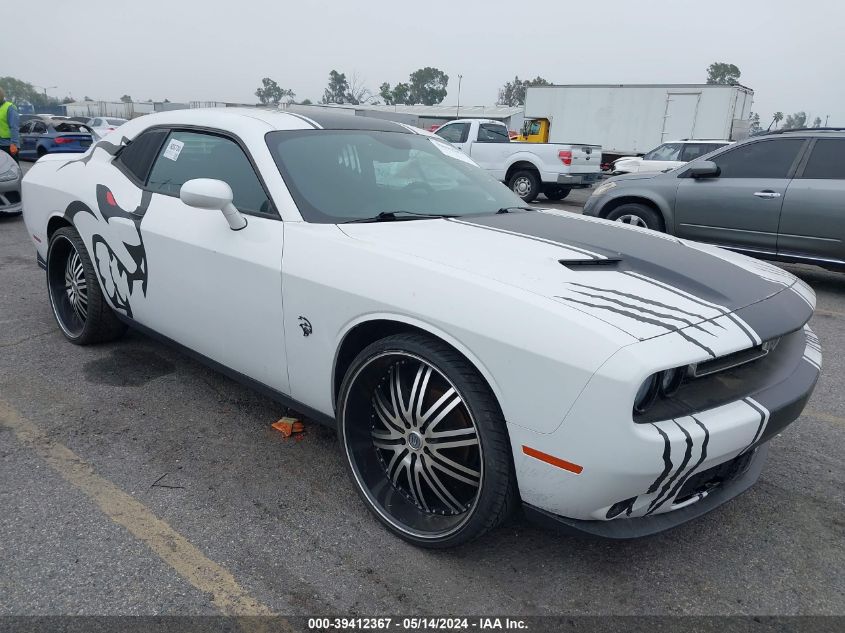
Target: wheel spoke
[
  {"x": 416, "y": 488},
  {"x": 417, "y": 395},
  {"x": 396, "y": 394},
  {"x": 438, "y": 435},
  {"x": 388, "y": 419},
  {"x": 438, "y": 487},
  {"x": 470, "y": 441},
  {"x": 450, "y": 399},
  {"x": 453, "y": 468}
]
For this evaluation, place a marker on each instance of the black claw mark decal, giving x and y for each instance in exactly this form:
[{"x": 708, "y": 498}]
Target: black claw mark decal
[
  {"x": 305, "y": 324},
  {"x": 117, "y": 246},
  {"x": 110, "y": 148}
]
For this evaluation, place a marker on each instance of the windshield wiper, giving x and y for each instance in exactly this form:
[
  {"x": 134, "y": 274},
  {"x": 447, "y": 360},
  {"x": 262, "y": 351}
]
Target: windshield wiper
[
  {"x": 390, "y": 216},
  {"x": 509, "y": 209}
]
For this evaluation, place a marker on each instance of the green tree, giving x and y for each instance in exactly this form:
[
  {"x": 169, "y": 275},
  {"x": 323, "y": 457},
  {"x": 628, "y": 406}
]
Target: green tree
[
  {"x": 723, "y": 73},
  {"x": 428, "y": 86},
  {"x": 126, "y": 98},
  {"x": 754, "y": 123},
  {"x": 398, "y": 95},
  {"x": 87, "y": 98},
  {"x": 338, "y": 88},
  {"x": 513, "y": 92},
  {"x": 305, "y": 102},
  {"x": 777, "y": 117},
  {"x": 794, "y": 121},
  {"x": 817, "y": 122},
  {"x": 68, "y": 99},
  {"x": 18, "y": 91},
  {"x": 271, "y": 93}
]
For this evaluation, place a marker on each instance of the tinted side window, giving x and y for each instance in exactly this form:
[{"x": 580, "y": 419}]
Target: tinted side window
[
  {"x": 188, "y": 155},
  {"x": 763, "y": 159},
  {"x": 492, "y": 133},
  {"x": 692, "y": 151},
  {"x": 137, "y": 157},
  {"x": 454, "y": 133},
  {"x": 25, "y": 127},
  {"x": 827, "y": 160},
  {"x": 39, "y": 128}
]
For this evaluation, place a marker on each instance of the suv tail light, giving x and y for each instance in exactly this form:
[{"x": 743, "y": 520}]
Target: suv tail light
[{"x": 565, "y": 156}]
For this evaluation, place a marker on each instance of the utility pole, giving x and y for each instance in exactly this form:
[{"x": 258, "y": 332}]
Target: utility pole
[
  {"x": 826, "y": 117},
  {"x": 45, "y": 89},
  {"x": 458, "y": 111}
]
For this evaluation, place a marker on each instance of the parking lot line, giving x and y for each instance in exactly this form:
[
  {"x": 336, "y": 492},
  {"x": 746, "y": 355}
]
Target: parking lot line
[
  {"x": 170, "y": 546},
  {"x": 824, "y": 417}
]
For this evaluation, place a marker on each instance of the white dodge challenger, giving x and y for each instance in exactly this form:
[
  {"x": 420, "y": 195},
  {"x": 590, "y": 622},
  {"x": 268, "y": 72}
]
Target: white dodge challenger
[{"x": 473, "y": 354}]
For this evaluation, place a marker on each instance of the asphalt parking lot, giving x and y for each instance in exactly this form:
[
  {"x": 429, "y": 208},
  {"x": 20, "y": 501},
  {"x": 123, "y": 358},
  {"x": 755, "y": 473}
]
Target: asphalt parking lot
[{"x": 137, "y": 481}]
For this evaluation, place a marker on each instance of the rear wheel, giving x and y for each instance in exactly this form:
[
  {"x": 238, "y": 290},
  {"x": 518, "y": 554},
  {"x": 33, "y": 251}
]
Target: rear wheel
[
  {"x": 78, "y": 304},
  {"x": 525, "y": 184},
  {"x": 557, "y": 193},
  {"x": 425, "y": 441},
  {"x": 40, "y": 151},
  {"x": 637, "y": 214}
]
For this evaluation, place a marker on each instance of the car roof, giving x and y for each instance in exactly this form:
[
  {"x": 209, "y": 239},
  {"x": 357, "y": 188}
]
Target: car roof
[
  {"x": 806, "y": 131},
  {"x": 272, "y": 119},
  {"x": 701, "y": 140}
]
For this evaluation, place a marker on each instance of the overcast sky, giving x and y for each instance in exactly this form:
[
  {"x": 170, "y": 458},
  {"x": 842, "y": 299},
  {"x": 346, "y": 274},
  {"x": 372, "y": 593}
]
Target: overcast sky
[{"x": 791, "y": 53}]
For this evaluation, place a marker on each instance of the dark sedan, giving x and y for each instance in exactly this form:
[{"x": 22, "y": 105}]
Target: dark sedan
[{"x": 48, "y": 135}]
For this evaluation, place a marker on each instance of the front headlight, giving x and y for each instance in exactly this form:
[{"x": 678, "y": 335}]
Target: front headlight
[
  {"x": 604, "y": 188},
  {"x": 663, "y": 384},
  {"x": 10, "y": 174}
]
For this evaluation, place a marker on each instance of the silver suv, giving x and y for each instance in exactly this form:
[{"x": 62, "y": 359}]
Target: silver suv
[{"x": 779, "y": 196}]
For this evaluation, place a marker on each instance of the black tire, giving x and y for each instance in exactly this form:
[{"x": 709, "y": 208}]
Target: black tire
[
  {"x": 467, "y": 505},
  {"x": 81, "y": 310},
  {"x": 637, "y": 214},
  {"x": 557, "y": 193},
  {"x": 525, "y": 184},
  {"x": 40, "y": 152}
]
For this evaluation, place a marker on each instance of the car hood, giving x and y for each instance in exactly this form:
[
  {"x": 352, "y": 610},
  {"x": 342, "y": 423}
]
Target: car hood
[
  {"x": 6, "y": 162},
  {"x": 643, "y": 175},
  {"x": 644, "y": 283}
]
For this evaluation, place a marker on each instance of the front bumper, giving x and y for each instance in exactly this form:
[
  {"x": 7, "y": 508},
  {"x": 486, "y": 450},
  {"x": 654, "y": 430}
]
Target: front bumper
[
  {"x": 636, "y": 479},
  {"x": 10, "y": 196},
  {"x": 650, "y": 525}
]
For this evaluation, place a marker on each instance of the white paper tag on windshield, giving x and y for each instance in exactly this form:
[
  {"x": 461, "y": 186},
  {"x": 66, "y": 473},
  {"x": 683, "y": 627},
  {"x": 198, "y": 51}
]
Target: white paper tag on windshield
[
  {"x": 174, "y": 148},
  {"x": 451, "y": 151}
]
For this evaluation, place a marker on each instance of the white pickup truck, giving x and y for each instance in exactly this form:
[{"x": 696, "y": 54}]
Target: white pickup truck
[{"x": 553, "y": 169}]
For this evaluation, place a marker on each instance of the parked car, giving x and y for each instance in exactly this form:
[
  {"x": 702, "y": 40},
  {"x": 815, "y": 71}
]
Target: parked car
[
  {"x": 473, "y": 355},
  {"x": 51, "y": 135},
  {"x": 10, "y": 186},
  {"x": 103, "y": 125},
  {"x": 528, "y": 169},
  {"x": 666, "y": 156},
  {"x": 777, "y": 196}
]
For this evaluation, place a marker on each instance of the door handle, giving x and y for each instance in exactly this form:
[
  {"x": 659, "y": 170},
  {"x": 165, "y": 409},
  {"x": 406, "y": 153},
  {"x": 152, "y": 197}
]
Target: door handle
[{"x": 767, "y": 195}]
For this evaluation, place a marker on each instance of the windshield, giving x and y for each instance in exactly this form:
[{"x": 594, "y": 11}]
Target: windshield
[
  {"x": 115, "y": 121},
  {"x": 341, "y": 175},
  {"x": 667, "y": 151}
]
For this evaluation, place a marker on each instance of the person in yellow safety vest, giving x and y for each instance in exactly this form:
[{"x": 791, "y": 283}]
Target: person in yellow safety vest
[{"x": 10, "y": 136}]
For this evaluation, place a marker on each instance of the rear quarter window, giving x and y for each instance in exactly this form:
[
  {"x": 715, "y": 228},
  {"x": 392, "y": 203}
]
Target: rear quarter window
[{"x": 827, "y": 160}]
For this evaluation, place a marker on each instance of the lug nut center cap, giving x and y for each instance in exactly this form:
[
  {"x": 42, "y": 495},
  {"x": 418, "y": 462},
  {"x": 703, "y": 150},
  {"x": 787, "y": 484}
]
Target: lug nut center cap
[{"x": 415, "y": 441}]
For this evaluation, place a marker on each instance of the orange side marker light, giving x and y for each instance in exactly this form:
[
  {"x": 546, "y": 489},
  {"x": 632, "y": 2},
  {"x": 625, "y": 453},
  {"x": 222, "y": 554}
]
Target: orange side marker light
[{"x": 551, "y": 459}]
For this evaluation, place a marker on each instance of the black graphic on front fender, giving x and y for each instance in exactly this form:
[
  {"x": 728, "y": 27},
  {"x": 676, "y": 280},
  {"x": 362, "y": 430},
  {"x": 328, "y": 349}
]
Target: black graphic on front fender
[{"x": 120, "y": 277}]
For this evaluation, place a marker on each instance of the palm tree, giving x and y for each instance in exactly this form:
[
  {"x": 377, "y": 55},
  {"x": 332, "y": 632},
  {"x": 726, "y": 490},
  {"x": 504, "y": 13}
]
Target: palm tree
[{"x": 777, "y": 117}]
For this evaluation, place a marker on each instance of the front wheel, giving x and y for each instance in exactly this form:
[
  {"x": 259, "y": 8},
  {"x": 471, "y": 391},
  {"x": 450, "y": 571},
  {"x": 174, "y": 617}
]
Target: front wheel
[
  {"x": 425, "y": 441},
  {"x": 525, "y": 184},
  {"x": 75, "y": 296},
  {"x": 637, "y": 214}
]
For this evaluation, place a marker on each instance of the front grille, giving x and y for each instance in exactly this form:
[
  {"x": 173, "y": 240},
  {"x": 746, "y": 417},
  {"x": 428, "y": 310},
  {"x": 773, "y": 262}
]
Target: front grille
[
  {"x": 732, "y": 360},
  {"x": 715, "y": 476},
  {"x": 12, "y": 196}
]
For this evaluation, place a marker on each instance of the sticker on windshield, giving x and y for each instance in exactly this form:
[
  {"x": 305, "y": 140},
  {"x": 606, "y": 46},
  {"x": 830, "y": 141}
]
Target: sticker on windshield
[
  {"x": 174, "y": 148},
  {"x": 451, "y": 151}
]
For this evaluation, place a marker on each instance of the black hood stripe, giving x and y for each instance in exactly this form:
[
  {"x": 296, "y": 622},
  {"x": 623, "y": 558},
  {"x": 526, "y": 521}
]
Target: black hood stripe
[
  {"x": 570, "y": 247},
  {"x": 692, "y": 270}
]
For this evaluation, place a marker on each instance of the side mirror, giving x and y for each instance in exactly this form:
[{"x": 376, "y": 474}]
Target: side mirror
[
  {"x": 205, "y": 193},
  {"x": 704, "y": 169}
]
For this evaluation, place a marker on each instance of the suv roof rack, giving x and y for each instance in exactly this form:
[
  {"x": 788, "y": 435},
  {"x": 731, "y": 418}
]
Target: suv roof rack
[{"x": 806, "y": 129}]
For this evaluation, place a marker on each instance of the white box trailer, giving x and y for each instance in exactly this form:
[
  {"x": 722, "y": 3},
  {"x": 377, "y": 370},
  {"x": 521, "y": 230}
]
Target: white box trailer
[{"x": 631, "y": 119}]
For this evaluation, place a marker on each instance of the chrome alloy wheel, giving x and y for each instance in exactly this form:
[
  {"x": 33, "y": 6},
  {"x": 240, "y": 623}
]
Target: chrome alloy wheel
[
  {"x": 413, "y": 445},
  {"x": 68, "y": 287},
  {"x": 633, "y": 220}
]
